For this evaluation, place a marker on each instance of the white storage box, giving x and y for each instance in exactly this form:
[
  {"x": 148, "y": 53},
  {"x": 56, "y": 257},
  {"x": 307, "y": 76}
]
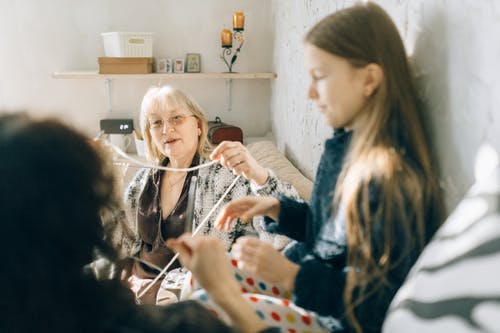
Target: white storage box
[{"x": 128, "y": 44}]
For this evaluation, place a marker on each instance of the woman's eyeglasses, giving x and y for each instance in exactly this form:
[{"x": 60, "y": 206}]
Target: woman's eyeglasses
[{"x": 172, "y": 121}]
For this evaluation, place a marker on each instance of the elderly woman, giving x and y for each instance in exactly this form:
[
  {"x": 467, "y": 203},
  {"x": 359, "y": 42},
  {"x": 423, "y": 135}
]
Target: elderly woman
[{"x": 175, "y": 133}]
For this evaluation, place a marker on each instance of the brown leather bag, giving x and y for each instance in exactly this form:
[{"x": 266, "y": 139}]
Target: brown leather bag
[{"x": 219, "y": 131}]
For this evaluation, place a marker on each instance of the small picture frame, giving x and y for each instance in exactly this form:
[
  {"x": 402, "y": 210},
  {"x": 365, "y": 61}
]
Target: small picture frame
[
  {"x": 193, "y": 63},
  {"x": 169, "y": 66},
  {"x": 161, "y": 65},
  {"x": 179, "y": 66}
]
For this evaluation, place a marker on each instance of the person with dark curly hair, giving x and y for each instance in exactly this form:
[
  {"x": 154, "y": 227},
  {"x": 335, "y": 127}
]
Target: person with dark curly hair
[{"x": 54, "y": 186}]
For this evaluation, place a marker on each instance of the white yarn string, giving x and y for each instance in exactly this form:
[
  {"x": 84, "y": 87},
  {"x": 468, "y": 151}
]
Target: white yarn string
[
  {"x": 203, "y": 222},
  {"x": 147, "y": 263},
  {"x": 153, "y": 166}
]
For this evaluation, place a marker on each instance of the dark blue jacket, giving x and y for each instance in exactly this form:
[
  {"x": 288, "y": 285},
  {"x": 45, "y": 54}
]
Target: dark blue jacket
[{"x": 321, "y": 248}]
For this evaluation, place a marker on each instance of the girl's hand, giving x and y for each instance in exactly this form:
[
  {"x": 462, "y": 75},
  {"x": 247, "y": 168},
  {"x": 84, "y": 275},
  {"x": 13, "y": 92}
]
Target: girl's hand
[
  {"x": 258, "y": 257},
  {"x": 236, "y": 157},
  {"x": 245, "y": 209}
]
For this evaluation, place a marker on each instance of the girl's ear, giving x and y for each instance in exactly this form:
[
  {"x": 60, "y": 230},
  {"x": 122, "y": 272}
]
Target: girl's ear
[{"x": 373, "y": 78}]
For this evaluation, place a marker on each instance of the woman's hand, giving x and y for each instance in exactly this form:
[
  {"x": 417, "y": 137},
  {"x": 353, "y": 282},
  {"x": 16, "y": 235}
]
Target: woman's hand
[
  {"x": 236, "y": 157},
  {"x": 206, "y": 258},
  {"x": 245, "y": 208},
  {"x": 258, "y": 257}
]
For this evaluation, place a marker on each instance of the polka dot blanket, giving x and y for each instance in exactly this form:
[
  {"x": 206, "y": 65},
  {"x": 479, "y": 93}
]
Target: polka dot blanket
[{"x": 271, "y": 303}]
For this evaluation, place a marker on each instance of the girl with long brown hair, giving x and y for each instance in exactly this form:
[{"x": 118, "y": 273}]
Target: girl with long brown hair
[{"x": 376, "y": 199}]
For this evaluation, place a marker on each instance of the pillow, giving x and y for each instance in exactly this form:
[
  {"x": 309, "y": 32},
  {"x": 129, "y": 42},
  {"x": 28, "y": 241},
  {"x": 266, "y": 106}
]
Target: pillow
[
  {"x": 454, "y": 285},
  {"x": 268, "y": 155}
]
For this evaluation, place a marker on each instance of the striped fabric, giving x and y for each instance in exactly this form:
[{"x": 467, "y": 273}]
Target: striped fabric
[{"x": 455, "y": 284}]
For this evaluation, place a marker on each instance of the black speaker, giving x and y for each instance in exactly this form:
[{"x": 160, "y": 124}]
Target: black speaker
[{"x": 117, "y": 126}]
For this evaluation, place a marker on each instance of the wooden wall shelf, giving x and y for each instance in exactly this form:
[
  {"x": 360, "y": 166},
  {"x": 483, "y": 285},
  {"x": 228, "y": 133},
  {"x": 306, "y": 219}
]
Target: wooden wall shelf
[
  {"x": 96, "y": 75},
  {"x": 108, "y": 78}
]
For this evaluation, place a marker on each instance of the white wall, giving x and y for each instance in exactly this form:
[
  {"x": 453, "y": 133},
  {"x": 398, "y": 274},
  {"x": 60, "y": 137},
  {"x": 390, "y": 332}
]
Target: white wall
[
  {"x": 41, "y": 37},
  {"x": 455, "y": 43},
  {"x": 456, "y": 48}
]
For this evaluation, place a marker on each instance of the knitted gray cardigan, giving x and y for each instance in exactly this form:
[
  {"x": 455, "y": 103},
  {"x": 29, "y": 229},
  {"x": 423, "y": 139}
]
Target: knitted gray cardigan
[{"x": 211, "y": 183}]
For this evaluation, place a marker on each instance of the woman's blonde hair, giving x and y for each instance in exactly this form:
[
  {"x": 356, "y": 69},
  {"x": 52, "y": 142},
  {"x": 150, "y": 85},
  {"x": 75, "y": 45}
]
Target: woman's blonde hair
[
  {"x": 389, "y": 150},
  {"x": 170, "y": 98}
]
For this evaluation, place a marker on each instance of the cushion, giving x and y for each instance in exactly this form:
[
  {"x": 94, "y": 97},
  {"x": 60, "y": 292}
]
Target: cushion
[
  {"x": 268, "y": 155},
  {"x": 453, "y": 286}
]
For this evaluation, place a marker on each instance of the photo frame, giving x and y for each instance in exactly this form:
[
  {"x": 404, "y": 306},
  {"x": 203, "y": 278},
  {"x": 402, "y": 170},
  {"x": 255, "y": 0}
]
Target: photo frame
[
  {"x": 161, "y": 65},
  {"x": 193, "y": 63},
  {"x": 179, "y": 66},
  {"x": 169, "y": 66}
]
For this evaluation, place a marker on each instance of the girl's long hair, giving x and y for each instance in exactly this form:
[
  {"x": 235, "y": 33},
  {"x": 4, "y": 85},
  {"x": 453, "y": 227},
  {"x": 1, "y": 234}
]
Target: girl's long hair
[{"x": 389, "y": 149}]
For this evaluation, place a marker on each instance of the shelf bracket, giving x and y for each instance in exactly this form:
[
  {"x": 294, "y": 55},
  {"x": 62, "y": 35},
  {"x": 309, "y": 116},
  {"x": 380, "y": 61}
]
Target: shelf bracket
[
  {"x": 108, "y": 83},
  {"x": 229, "y": 94}
]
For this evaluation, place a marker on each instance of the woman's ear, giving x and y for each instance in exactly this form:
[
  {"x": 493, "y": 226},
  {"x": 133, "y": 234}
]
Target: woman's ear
[
  {"x": 373, "y": 78},
  {"x": 199, "y": 126}
]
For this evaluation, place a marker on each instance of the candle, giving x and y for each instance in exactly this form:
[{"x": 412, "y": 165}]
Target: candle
[
  {"x": 238, "y": 21},
  {"x": 226, "y": 38}
]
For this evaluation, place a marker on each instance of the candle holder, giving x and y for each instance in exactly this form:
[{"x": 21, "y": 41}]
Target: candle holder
[{"x": 230, "y": 55}]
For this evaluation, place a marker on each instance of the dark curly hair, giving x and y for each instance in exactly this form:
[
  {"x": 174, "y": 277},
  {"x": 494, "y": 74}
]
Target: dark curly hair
[{"x": 54, "y": 185}]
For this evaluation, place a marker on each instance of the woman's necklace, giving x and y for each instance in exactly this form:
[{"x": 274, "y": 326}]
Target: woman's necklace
[
  {"x": 169, "y": 198},
  {"x": 175, "y": 182}
]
